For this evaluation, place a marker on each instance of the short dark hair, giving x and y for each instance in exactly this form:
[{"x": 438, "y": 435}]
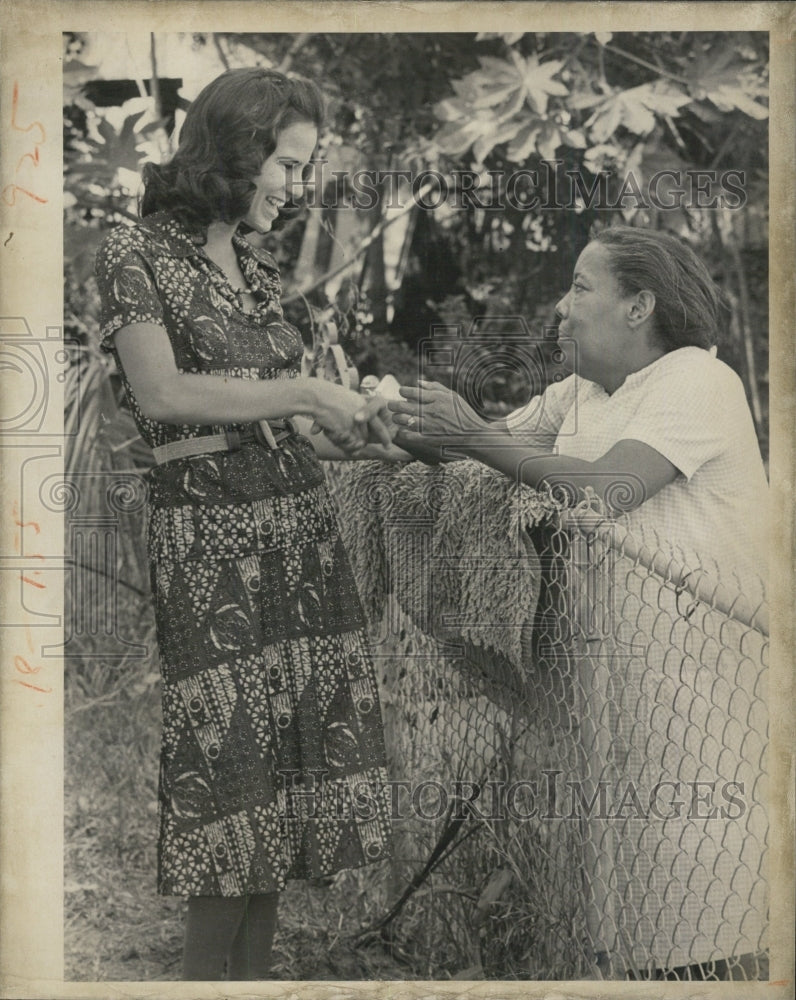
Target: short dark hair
[
  {"x": 230, "y": 129},
  {"x": 687, "y": 300}
]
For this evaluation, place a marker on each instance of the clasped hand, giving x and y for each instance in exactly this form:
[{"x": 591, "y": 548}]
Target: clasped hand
[
  {"x": 351, "y": 421},
  {"x": 432, "y": 409}
]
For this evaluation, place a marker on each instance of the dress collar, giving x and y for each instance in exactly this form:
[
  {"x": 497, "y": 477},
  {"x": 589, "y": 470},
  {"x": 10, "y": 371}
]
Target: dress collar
[
  {"x": 254, "y": 253},
  {"x": 674, "y": 357}
]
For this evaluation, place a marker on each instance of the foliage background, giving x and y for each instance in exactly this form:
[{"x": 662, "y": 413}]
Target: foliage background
[{"x": 601, "y": 105}]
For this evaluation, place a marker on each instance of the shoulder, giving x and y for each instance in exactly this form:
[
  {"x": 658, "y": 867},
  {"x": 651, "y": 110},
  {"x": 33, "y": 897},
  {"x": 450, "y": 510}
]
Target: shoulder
[
  {"x": 157, "y": 235},
  {"x": 692, "y": 376},
  {"x": 126, "y": 243},
  {"x": 562, "y": 392},
  {"x": 695, "y": 364},
  {"x": 123, "y": 247},
  {"x": 692, "y": 395},
  {"x": 121, "y": 241}
]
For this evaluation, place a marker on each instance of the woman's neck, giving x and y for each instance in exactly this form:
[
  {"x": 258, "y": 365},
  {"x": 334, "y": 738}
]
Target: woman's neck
[
  {"x": 219, "y": 240},
  {"x": 639, "y": 352}
]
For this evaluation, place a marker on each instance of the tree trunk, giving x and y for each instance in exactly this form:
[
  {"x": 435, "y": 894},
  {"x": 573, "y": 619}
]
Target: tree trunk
[
  {"x": 155, "y": 79},
  {"x": 742, "y": 315}
]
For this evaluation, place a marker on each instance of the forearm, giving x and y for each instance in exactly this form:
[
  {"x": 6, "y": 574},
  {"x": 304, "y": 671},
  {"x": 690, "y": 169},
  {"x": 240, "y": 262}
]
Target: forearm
[
  {"x": 214, "y": 399},
  {"x": 370, "y": 453},
  {"x": 627, "y": 475},
  {"x": 434, "y": 450},
  {"x": 623, "y": 478},
  {"x": 521, "y": 462},
  {"x": 422, "y": 450}
]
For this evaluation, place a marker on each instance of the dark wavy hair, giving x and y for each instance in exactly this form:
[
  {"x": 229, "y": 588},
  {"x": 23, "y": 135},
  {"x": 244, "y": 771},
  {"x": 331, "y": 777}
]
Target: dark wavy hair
[
  {"x": 687, "y": 301},
  {"x": 230, "y": 129}
]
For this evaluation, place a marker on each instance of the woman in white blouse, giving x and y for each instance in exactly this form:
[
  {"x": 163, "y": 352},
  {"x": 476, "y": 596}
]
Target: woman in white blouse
[
  {"x": 657, "y": 428},
  {"x": 651, "y": 420}
]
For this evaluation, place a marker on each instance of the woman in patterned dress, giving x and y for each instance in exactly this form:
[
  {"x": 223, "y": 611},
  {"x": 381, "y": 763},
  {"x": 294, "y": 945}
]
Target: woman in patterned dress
[{"x": 272, "y": 761}]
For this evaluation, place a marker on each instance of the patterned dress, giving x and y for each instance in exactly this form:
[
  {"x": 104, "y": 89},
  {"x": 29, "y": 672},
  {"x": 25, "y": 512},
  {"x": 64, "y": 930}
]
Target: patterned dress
[{"x": 272, "y": 759}]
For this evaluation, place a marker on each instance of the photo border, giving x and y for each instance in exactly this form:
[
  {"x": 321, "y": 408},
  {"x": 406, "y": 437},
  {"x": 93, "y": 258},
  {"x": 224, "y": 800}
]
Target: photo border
[{"x": 31, "y": 704}]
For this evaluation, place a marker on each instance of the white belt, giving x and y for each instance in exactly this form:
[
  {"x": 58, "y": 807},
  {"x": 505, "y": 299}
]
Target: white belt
[{"x": 265, "y": 433}]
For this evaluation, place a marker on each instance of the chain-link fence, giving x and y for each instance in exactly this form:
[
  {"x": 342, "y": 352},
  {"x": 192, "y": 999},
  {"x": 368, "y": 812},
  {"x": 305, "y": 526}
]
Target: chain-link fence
[{"x": 577, "y": 729}]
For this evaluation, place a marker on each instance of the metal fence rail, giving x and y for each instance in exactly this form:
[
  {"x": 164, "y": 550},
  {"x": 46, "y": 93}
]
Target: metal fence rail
[{"x": 604, "y": 750}]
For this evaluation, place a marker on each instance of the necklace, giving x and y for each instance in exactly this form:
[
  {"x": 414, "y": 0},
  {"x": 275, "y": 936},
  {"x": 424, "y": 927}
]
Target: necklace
[{"x": 244, "y": 289}]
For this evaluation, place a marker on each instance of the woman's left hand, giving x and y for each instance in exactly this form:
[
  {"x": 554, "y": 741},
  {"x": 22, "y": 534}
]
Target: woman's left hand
[{"x": 433, "y": 409}]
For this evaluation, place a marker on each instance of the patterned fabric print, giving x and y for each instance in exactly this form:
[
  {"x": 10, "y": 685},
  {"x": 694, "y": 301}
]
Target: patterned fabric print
[
  {"x": 156, "y": 272},
  {"x": 272, "y": 757}
]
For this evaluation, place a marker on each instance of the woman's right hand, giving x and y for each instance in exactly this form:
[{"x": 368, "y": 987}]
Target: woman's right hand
[
  {"x": 170, "y": 396},
  {"x": 349, "y": 420}
]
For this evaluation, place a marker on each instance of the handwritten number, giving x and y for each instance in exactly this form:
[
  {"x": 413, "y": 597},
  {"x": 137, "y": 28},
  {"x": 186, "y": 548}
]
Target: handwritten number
[
  {"x": 24, "y": 667},
  {"x": 33, "y": 157},
  {"x": 24, "y": 128},
  {"x": 14, "y": 188},
  {"x": 33, "y": 687},
  {"x": 9, "y": 192},
  {"x": 29, "y": 524}
]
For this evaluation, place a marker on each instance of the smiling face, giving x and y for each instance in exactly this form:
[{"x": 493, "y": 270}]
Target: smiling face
[
  {"x": 595, "y": 315},
  {"x": 279, "y": 177}
]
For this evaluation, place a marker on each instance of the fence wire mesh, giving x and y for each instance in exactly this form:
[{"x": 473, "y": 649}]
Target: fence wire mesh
[{"x": 577, "y": 732}]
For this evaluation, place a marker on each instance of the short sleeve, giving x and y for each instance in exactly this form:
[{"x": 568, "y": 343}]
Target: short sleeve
[
  {"x": 692, "y": 410},
  {"x": 540, "y": 420},
  {"x": 127, "y": 287}
]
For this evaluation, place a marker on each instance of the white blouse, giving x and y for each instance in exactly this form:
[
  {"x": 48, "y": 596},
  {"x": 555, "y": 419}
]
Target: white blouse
[{"x": 692, "y": 408}]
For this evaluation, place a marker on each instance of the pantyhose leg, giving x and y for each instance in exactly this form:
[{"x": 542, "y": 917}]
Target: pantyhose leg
[
  {"x": 250, "y": 956},
  {"x": 210, "y": 928}
]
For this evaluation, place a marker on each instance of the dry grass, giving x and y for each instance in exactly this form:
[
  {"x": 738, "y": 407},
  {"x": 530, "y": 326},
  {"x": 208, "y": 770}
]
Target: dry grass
[{"x": 116, "y": 926}]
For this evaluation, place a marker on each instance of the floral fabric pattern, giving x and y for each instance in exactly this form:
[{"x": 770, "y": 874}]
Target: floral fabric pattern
[{"x": 272, "y": 758}]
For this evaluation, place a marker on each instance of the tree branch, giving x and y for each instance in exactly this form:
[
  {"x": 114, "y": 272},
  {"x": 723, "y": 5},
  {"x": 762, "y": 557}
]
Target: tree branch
[
  {"x": 647, "y": 65},
  {"x": 291, "y": 53},
  {"x": 221, "y": 53}
]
